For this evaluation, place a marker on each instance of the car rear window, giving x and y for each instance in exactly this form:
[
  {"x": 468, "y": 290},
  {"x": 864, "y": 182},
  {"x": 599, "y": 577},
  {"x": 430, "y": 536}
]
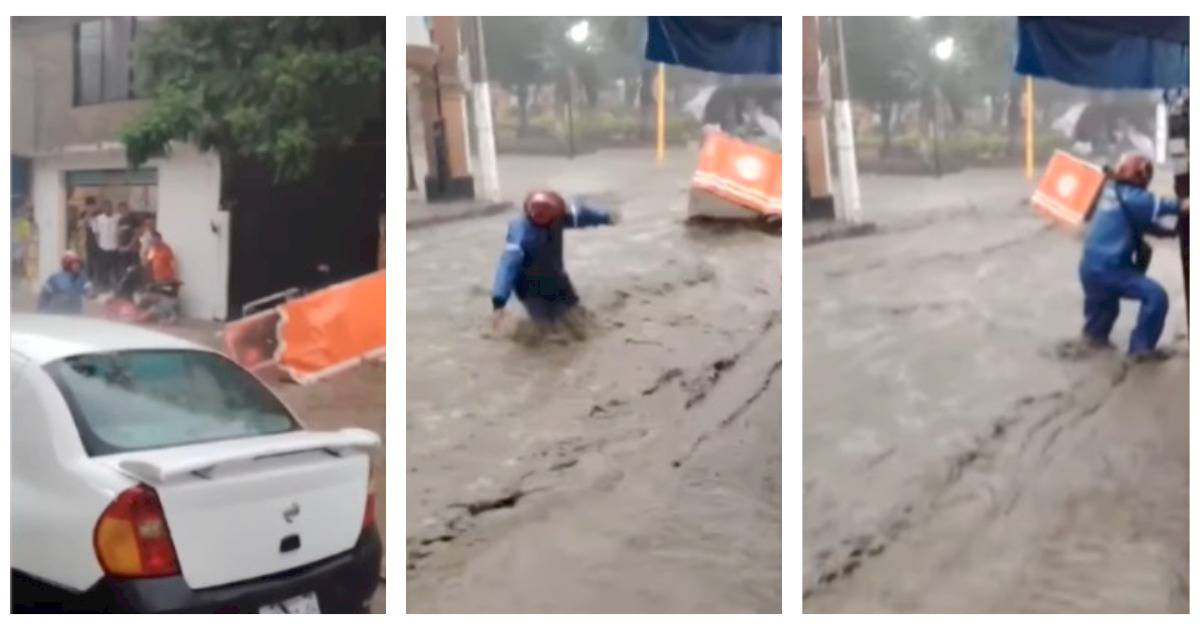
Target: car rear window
[{"x": 146, "y": 399}]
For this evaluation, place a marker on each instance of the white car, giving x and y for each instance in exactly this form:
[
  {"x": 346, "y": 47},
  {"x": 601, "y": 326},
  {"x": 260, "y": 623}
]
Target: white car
[{"x": 152, "y": 474}]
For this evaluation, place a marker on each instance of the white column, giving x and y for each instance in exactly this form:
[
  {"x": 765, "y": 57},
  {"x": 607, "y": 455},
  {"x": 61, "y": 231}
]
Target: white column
[
  {"x": 849, "y": 203},
  {"x": 1160, "y": 133},
  {"x": 488, "y": 172}
]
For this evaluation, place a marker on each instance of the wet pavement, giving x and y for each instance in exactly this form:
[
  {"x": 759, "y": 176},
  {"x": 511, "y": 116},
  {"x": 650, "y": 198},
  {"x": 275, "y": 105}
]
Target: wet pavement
[
  {"x": 961, "y": 454},
  {"x": 635, "y": 471}
]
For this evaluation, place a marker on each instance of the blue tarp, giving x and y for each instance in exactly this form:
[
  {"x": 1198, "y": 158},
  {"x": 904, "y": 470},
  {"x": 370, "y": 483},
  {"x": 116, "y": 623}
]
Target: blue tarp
[
  {"x": 1105, "y": 52},
  {"x": 732, "y": 45}
]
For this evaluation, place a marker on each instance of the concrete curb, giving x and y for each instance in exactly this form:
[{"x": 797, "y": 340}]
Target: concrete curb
[
  {"x": 835, "y": 232},
  {"x": 477, "y": 212}
]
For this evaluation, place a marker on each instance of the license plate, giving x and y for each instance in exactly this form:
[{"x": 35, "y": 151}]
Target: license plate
[{"x": 305, "y": 604}]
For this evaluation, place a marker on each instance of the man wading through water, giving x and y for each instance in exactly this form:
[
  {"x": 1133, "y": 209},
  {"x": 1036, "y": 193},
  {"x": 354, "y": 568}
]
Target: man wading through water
[
  {"x": 532, "y": 263},
  {"x": 1115, "y": 258}
]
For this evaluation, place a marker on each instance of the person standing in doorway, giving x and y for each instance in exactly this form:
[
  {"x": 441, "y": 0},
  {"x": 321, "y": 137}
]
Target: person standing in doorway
[
  {"x": 90, "y": 251},
  {"x": 146, "y": 237},
  {"x": 22, "y": 234},
  {"x": 129, "y": 249},
  {"x": 106, "y": 226}
]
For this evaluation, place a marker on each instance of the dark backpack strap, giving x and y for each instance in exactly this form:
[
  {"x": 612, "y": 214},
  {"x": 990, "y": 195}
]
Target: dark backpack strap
[{"x": 1142, "y": 250}]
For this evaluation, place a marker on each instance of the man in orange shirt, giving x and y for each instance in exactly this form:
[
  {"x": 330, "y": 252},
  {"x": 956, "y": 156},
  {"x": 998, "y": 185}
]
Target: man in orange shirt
[
  {"x": 160, "y": 261},
  {"x": 160, "y": 301}
]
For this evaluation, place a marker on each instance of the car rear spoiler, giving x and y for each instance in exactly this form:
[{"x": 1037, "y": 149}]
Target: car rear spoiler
[{"x": 171, "y": 464}]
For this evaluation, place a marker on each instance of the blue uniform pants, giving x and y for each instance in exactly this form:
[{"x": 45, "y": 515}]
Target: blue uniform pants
[{"x": 1103, "y": 291}]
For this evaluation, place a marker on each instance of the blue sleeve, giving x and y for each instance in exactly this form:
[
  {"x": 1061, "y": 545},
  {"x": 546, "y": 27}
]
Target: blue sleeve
[
  {"x": 1154, "y": 215},
  {"x": 45, "y": 294},
  {"x": 581, "y": 216},
  {"x": 79, "y": 285},
  {"x": 508, "y": 268}
]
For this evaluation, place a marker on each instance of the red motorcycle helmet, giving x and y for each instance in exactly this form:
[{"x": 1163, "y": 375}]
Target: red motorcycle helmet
[
  {"x": 71, "y": 261},
  {"x": 544, "y": 207},
  {"x": 1134, "y": 169}
]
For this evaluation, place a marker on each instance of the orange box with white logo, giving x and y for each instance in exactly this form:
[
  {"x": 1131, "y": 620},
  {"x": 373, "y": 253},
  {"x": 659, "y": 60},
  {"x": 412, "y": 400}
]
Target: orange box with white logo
[
  {"x": 742, "y": 173},
  {"x": 1068, "y": 190}
]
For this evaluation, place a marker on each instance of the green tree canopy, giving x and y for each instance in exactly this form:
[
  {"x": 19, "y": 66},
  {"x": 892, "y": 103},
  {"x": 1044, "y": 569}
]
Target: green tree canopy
[{"x": 272, "y": 88}]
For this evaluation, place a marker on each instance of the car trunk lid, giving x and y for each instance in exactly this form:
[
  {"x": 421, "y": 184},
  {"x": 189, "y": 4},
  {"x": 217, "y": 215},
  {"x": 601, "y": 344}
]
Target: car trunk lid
[{"x": 245, "y": 508}]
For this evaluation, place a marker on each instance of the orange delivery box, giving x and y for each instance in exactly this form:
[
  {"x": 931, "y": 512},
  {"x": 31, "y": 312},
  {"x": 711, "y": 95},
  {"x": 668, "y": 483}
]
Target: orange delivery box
[
  {"x": 1068, "y": 190},
  {"x": 745, "y": 175}
]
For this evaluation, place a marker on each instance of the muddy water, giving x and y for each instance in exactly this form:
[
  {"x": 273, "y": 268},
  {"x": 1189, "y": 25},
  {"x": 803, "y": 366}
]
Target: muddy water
[
  {"x": 634, "y": 471},
  {"x": 962, "y": 453}
]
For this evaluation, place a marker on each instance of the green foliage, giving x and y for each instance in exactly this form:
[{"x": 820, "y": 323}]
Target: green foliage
[
  {"x": 889, "y": 58},
  {"x": 277, "y": 89},
  {"x": 963, "y": 148},
  {"x": 513, "y": 48},
  {"x": 883, "y": 58},
  {"x": 595, "y": 130},
  {"x": 524, "y": 51}
]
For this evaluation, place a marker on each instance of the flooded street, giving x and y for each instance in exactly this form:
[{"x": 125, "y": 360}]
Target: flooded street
[
  {"x": 635, "y": 471},
  {"x": 960, "y": 454}
]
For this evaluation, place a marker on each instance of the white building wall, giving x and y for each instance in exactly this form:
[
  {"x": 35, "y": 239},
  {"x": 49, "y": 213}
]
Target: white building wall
[{"x": 189, "y": 218}]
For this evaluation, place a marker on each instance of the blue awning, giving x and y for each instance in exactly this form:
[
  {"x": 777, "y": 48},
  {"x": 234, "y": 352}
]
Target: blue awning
[
  {"x": 732, "y": 45},
  {"x": 1105, "y": 52}
]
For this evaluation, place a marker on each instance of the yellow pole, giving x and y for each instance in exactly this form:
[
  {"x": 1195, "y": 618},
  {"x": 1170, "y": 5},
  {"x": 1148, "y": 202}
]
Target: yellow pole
[
  {"x": 1029, "y": 128},
  {"x": 662, "y": 111}
]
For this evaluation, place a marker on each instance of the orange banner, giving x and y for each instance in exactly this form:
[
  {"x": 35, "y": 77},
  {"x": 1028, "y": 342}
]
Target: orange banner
[
  {"x": 334, "y": 328},
  {"x": 1068, "y": 190},
  {"x": 740, "y": 172}
]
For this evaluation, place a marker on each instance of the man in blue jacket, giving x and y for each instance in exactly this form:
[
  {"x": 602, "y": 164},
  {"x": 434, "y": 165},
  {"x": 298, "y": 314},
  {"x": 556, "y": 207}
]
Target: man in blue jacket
[
  {"x": 1111, "y": 269},
  {"x": 64, "y": 291},
  {"x": 532, "y": 262}
]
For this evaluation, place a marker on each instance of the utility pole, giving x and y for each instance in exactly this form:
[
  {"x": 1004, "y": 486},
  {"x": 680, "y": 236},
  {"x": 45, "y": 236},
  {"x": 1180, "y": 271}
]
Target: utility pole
[
  {"x": 937, "y": 129},
  {"x": 1029, "y": 113},
  {"x": 412, "y": 179},
  {"x": 1177, "y": 143},
  {"x": 570, "y": 112},
  {"x": 482, "y": 100},
  {"x": 662, "y": 113},
  {"x": 843, "y": 126}
]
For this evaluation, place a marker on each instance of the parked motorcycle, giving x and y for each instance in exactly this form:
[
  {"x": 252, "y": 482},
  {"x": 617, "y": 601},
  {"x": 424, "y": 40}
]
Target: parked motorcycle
[{"x": 138, "y": 301}]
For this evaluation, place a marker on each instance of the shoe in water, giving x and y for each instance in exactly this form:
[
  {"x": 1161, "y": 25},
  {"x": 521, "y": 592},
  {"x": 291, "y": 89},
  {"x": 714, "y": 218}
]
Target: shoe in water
[
  {"x": 1093, "y": 343},
  {"x": 1156, "y": 355}
]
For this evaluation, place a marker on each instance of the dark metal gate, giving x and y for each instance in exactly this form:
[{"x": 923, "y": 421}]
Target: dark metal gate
[{"x": 322, "y": 229}]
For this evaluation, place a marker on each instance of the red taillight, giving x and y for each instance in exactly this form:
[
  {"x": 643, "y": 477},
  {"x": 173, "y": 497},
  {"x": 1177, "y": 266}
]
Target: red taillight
[
  {"x": 369, "y": 513},
  {"x": 132, "y": 539}
]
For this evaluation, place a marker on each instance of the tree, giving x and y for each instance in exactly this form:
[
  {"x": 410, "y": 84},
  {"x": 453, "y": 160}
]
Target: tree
[
  {"x": 988, "y": 46},
  {"x": 278, "y": 89},
  {"x": 884, "y": 59},
  {"x": 622, "y": 55},
  {"x": 513, "y": 48}
]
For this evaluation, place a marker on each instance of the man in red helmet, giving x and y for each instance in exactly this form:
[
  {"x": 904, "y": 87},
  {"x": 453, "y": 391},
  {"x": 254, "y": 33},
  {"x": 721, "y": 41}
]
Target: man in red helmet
[
  {"x": 1115, "y": 257},
  {"x": 64, "y": 291},
  {"x": 532, "y": 262}
]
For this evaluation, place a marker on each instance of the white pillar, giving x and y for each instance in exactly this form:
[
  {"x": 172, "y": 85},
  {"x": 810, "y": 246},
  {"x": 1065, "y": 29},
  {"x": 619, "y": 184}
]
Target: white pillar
[
  {"x": 485, "y": 133},
  {"x": 849, "y": 203},
  {"x": 1160, "y": 133}
]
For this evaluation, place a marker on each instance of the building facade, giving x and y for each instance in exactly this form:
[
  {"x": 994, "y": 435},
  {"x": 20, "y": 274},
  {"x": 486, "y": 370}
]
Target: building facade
[
  {"x": 73, "y": 89},
  {"x": 818, "y": 188},
  {"x": 437, "y": 98}
]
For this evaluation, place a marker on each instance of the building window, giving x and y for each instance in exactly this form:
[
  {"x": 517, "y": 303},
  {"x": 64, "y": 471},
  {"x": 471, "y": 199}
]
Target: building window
[{"x": 104, "y": 60}]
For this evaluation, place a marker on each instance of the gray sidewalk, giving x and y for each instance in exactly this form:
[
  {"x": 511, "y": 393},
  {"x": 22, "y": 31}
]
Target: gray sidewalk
[{"x": 421, "y": 213}]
